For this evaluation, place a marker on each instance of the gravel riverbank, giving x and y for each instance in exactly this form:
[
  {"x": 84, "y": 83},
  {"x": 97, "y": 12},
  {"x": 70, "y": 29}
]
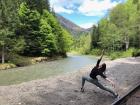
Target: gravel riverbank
[{"x": 65, "y": 89}]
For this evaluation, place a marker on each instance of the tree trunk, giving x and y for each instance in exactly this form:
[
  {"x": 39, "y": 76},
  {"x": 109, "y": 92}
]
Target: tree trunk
[
  {"x": 127, "y": 45},
  {"x": 126, "y": 42},
  {"x": 3, "y": 55}
]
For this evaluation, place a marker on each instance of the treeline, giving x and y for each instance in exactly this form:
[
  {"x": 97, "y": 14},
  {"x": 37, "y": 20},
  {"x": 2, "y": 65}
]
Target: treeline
[
  {"x": 30, "y": 28},
  {"x": 82, "y": 43},
  {"x": 120, "y": 29},
  {"x": 118, "y": 33}
]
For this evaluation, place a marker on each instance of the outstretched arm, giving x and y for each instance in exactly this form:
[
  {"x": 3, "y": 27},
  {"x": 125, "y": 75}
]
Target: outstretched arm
[
  {"x": 99, "y": 60},
  {"x": 113, "y": 84},
  {"x": 102, "y": 54}
]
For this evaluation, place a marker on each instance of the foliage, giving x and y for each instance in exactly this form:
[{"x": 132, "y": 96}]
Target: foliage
[
  {"x": 120, "y": 54},
  {"x": 38, "y": 5},
  {"x": 82, "y": 44},
  {"x": 136, "y": 53},
  {"x": 49, "y": 37},
  {"x": 119, "y": 30},
  {"x": 29, "y": 28},
  {"x": 8, "y": 23},
  {"x": 95, "y": 37},
  {"x": 96, "y": 52},
  {"x": 19, "y": 60},
  {"x": 59, "y": 38}
]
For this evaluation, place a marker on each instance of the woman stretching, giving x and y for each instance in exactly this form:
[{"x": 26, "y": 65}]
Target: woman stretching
[{"x": 92, "y": 78}]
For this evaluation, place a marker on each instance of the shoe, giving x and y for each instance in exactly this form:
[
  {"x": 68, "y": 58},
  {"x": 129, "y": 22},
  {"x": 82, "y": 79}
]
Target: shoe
[
  {"x": 116, "y": 96},
  {"x": 82, "y": 90}
]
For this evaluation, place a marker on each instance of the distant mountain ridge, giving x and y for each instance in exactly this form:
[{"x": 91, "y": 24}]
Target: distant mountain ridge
[{"x": 71, "y": 27}]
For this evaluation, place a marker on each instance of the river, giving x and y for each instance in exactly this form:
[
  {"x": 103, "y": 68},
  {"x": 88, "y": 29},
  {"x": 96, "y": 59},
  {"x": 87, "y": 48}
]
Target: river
[{"x": 44, "y": 69}]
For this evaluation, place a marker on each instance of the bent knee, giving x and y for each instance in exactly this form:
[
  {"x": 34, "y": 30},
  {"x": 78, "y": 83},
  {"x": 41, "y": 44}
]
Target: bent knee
[{"x": 84, "y": 78}]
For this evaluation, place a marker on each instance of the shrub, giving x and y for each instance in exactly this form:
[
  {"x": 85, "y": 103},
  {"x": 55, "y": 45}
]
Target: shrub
[
  {"x": 7, "y": 66},
  {"x": 19, "y": 60},
  {"x": 136, "y": 53},
  {"x": 96, "y": 52},
  {"x": 120, "y": 54},
  {"x": 114, "y": 55}
]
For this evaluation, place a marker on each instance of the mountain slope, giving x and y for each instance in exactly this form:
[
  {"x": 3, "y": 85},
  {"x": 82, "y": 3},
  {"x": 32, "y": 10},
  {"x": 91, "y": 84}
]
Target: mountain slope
[{"x": 70, "y": 26}]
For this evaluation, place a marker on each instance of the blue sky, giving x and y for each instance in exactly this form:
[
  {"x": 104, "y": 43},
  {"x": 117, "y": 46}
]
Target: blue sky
[{"x": 84, "y": 13}]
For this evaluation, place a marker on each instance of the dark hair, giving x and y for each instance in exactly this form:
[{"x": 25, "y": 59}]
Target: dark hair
[{"x": 103, "y": 68}]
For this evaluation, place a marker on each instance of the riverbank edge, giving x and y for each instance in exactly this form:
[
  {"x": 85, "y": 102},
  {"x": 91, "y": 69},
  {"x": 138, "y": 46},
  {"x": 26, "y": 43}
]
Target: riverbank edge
[
  {"x": 36, "y": 60},
  {"x": 32, "y": 60}
]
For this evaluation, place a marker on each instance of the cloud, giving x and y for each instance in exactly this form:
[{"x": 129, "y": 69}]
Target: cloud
[
  {"x": 96, "y": 7},
  {"x": 65, "y": 6},
  {"x": 59, "y": 9},
  {"x": 85, "y": 7},
  {"x": 59, "y": 6},
  {"x": 86, "y": 25}
]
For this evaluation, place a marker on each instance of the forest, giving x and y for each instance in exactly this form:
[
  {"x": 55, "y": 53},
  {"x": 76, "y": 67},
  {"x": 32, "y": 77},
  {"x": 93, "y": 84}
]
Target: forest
[
  {"x": 29, "y": 28},
  {"x": 118, "y": 32}
]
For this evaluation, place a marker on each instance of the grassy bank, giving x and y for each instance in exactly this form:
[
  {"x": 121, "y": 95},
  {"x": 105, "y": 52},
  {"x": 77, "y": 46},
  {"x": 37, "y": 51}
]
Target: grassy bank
[
  {"x": 118, "y": 54},
  {"x": 20, "y": 61},
  {"x": 132, "y": 52}
]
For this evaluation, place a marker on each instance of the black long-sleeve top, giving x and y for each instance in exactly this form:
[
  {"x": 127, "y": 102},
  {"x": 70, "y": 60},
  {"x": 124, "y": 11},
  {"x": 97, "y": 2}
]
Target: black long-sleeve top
[{"x": 96, "y": 71}]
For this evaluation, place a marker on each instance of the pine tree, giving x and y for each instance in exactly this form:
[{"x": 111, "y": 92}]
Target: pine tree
[
  {"x": 38, "y": 5},
  {"x": 8, "y": 23}
]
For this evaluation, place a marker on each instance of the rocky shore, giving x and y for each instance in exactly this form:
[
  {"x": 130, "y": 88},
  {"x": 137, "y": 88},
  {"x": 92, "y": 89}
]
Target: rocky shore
[{"x": 65, "y": 89}]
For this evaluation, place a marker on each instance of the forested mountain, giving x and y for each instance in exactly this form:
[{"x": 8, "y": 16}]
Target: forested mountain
[{"x": 72, "y": 27}]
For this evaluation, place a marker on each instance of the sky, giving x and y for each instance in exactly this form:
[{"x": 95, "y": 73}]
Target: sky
[{"x": 84, "y": 13}]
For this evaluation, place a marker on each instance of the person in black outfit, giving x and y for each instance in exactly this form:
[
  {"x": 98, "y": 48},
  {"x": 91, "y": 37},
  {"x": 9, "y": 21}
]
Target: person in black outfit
[{"x": 92, "y": 78}]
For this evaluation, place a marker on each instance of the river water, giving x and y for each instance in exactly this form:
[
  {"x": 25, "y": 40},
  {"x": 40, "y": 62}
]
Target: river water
[{"x": 44, "y": 69}]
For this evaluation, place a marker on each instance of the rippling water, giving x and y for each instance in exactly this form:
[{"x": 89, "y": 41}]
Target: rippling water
[{"x": 44, "y": 70}]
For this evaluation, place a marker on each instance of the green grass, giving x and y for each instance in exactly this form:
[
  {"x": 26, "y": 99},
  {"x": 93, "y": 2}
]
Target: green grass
[
  {"x": 120, "y": 54},
  {"x": 117, "y": 54},
  {"x": 19, "y": 60}
]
